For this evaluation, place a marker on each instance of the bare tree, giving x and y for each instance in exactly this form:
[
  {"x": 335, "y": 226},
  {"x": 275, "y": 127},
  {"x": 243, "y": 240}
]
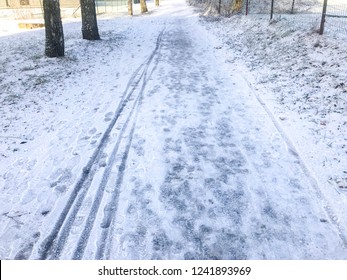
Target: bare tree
[
  {"x": 143, "y": 6},
  {"x": 89, "y": 24},
  {"x": 54, "y": 45},
  {"x": 293, "y": 4}
]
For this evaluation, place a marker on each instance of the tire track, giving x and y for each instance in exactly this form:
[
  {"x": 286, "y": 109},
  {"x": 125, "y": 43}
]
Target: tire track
[
  {"x": 53, "y": 244},
  {"x": 78, "y": 253},
  {"x": 113, "y": 202}
]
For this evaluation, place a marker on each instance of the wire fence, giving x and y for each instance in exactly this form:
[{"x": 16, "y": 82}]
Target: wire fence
[
  {"x": 33, "y": 9},
  {"x": 298, "y": 13},
  {"x": 111, "y": 6},
  {"x": 303, "y": 13},
  {"x": 336, "y": 15}
]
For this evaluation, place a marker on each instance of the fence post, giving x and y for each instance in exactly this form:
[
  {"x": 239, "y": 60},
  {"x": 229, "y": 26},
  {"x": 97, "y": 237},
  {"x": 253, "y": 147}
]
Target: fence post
[
  {"x": 325, "y": 4},
  {"x": 247, "y": 6},
  {"x": 272, "y": 9}
]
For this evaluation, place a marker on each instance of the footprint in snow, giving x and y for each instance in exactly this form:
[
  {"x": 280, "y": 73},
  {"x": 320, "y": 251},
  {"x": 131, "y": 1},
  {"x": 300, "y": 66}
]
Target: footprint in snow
[{"x": 108, "y": 117}]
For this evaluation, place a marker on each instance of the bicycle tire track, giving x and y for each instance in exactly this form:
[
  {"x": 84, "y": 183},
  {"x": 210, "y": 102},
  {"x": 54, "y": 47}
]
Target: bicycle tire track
[
  {"x": 52, "y": 245},
  {"x": 86, "y": 178},
  {"x": 98, "y": 197},
  {"x": 78, "y": 253},
  {"x": 113, "y": 203}
]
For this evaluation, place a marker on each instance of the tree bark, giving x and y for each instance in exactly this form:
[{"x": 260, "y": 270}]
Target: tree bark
[
  {"x": 293, "y": 4},
  {"x": 143, "y": 6},
  {"x": 237, "y": 6},
  {"x": 54, "y": 45},
  {"x": 89, "y": 23},
  {"x": 130, "y": 7}
]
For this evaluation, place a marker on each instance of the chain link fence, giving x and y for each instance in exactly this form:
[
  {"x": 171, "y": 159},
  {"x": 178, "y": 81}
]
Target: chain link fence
[
  {"x": 302, "y": 13},
  {"x": 33, "y": 9},
  {"x": 336, "y": 15},
  {"x": 306, "y": 14},
  {"x": 111, "y": 6}
]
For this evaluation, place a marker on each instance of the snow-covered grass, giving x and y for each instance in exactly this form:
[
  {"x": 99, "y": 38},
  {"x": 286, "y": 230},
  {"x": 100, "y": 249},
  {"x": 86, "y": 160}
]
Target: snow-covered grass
[
  {"x": 54, "y": 111},
  {"x": 197, "y": 144}
]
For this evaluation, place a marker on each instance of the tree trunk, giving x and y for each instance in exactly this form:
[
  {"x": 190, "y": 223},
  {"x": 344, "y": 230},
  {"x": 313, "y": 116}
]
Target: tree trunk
[
  {"x": 89, "y": 24},
  {"x": 237, "y": 6},
  {"x": 54, "y": 46},
  {"x": 130, "y": 7},
  {"x": 157, "y": 3},
  {"x": 143, "y": 6},
  {"x": 293, "y": 4}
]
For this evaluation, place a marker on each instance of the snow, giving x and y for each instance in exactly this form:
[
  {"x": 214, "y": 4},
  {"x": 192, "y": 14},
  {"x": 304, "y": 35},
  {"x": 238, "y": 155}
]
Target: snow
[
  {"x": 299, "y": 78},
  {"x": 173, "y": 137}
]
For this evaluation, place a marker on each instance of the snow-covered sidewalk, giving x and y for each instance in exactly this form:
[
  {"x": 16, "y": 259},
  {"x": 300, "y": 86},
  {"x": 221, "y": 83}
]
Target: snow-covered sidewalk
[
  {"x": 148, "y": 145},
  {"x": 300, "y": 78}
]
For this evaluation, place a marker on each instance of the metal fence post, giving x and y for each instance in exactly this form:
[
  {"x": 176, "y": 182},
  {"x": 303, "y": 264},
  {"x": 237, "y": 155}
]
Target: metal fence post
[{"x": 325, "y": 4}]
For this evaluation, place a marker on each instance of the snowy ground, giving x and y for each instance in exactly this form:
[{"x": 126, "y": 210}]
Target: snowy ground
[
  {"x": 152, "y": 144},
  {"x": 300, "y": 78}
]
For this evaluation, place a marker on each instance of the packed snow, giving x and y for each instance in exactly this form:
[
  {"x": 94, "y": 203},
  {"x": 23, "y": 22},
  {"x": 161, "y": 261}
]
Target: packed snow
[{"x": 176, "y": 136}]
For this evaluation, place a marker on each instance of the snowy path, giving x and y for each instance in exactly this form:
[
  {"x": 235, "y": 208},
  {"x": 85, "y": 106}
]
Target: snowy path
[{"x": 190, "y": 166}]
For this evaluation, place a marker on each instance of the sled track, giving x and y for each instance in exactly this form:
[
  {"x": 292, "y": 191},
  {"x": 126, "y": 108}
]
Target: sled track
[{"x": 54, "y": 244}]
